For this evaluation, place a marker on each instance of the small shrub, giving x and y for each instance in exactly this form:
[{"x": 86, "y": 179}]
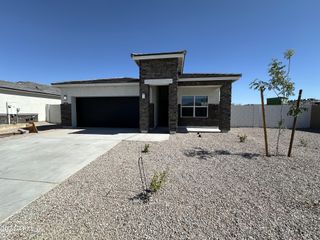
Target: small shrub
[
  {"x": 303, "y": 142},
  {"x": 146, "y": 148},
  {"x": 242, "y": 137},
  {"x": 157, "y": 180}
]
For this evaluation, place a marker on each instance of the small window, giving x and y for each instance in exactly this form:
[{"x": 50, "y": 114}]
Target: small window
[
  {"x": 201, "y": 112},
  {"x": 201, "y": 100},
  {"x": 194, "y": 106},
  {"x": 187, "y": 101},
  {"x": 187, "y": 111}
]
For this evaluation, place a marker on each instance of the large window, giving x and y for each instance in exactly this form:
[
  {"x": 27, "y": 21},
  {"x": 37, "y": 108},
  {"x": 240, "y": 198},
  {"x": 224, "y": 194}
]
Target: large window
[{"x": 194, "y": 106}]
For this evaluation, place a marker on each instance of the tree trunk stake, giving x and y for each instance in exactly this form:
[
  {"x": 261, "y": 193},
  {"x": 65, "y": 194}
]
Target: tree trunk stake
[
  {"x": 294, "y": 124},
  {"x": 264, "y": 123}
]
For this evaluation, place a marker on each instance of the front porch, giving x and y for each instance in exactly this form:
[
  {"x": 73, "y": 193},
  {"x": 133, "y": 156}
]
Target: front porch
[{"x": 199, "y": 108}]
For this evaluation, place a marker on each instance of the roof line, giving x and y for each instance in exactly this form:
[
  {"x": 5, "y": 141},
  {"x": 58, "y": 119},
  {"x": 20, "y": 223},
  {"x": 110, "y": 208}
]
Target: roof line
[
  {"x": 29, "y": 91},
  {"x": 158, "y": 53},
  {"x": 190, "y": 75},
  {"x": 102, "y": 80}
]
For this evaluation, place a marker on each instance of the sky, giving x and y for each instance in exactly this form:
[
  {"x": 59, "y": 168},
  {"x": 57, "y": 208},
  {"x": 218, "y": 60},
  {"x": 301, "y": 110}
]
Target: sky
[{"x": 51, "y": 41}]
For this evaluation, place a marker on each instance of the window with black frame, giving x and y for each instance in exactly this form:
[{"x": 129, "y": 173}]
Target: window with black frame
[{"x": 194, "y": 106}]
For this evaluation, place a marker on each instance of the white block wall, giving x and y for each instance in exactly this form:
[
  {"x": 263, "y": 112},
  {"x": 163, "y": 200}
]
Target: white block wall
[
  {"x": 251, "y": 116},
  {"x": 54, "y": 114},
  {"x": 28, "y": 103}
]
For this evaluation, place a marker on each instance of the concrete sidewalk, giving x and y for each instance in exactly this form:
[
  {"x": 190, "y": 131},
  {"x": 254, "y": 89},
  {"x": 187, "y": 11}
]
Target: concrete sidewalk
[{"x": 32, "y": 164}]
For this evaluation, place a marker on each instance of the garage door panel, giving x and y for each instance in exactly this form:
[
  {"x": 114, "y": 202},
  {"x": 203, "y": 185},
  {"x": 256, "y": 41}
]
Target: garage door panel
[{"x": 108, "y": 112}]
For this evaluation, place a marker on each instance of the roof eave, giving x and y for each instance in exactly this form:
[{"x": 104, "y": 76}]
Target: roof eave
[
  {"x": 98, "y": 81},
  {"x": 145, "y": 55},
  {"x": 30, "y": 91},
  {"x": 70, "y": 85},
  {"x": 213, "y": 78}
]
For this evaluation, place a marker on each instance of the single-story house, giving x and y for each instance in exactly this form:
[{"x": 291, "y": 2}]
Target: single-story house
[
  {"x": 162, "y": 96},
  {"x": 26, "y": 101}
]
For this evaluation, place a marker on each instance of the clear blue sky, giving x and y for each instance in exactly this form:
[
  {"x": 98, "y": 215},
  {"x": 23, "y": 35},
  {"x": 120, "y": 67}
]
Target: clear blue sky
[{"x": 50, "y": 41}]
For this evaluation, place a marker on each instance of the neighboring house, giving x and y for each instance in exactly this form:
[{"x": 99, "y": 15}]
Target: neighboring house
[
  {"x": 163, "y": 96},
  {"x": 26, "y": 101}
]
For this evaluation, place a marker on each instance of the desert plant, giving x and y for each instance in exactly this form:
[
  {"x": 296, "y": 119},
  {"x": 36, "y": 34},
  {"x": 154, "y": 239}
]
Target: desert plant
[
  {"x": 242, "y": 137},
  {"x": 157, "y": 180},
  {"x": 303, "y": 142},
  {"x": 146, "y": 148}
]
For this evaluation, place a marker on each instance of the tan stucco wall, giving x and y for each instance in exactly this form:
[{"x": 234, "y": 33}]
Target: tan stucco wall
[
  {"x": 100, "y": 91},
  {"x": 213, "y": 93}
]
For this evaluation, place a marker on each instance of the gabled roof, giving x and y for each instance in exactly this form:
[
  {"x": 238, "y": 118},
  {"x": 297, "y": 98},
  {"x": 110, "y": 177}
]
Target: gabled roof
[
  {"x": 137, "y": 57},
  {"x": 30, "y": 87},
  {"x": 105, "y": 80}
]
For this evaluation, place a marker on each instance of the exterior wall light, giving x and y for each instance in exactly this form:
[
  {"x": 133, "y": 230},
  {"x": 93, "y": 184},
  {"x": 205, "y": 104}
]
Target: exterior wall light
[
  {"x": 64, "y": 97},
  {"x": 143, "y": 95}
]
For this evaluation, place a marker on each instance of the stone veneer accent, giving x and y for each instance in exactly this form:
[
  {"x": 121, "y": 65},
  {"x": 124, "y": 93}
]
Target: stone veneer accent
[
  {"x": 173, "y": 106},
  {"x": 225, "y": 107},
  {"x": 144, "y": 107},
  {"x": 211, "y": 120},
  {"x": 66, "y": 114},
  {"x": 158, "y": 69},
  {"x": 151, "y": 115}
]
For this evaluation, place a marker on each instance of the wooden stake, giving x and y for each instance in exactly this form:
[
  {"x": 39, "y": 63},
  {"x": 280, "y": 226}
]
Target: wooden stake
[
  {"x": 32, "y": 127},
  {"x": 264, "y": 123},
  {"x": 294, "y": 124}
]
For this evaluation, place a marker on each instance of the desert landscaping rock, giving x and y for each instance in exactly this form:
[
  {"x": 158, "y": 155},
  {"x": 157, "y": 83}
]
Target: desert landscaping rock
[{"x": 217, "y": 188}]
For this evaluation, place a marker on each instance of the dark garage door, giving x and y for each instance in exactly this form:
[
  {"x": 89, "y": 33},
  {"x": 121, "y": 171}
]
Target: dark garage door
[{"x": 108, "y": 112}]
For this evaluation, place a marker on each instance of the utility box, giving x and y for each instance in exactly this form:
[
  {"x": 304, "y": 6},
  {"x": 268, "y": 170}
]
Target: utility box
[{"x": 277, "y": 101}]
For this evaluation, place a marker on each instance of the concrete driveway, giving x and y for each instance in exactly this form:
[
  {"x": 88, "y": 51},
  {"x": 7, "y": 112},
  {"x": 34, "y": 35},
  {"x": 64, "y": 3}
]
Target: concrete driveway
[{"x": 32, "y": 164}]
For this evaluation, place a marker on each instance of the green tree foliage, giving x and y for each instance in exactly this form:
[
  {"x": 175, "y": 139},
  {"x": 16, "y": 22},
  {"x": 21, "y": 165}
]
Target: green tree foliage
[{"x": 279, "y": 82}]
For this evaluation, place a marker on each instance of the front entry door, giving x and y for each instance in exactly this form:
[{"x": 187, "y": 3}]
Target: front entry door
[{"x": 163, "y": 106}]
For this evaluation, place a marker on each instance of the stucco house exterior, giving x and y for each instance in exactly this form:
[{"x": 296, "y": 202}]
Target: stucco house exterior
[
  {"x": 162, "y": 96},
  {"x": 26, "y": 101}
]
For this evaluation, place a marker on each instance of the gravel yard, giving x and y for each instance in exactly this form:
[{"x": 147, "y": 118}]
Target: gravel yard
[{"x": 217, "y": 188}]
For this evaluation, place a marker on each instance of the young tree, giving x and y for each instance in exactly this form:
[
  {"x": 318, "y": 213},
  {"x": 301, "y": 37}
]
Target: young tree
[
  {"x": 280, "y": 83},
  {"x": 261, "y": 86}
]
